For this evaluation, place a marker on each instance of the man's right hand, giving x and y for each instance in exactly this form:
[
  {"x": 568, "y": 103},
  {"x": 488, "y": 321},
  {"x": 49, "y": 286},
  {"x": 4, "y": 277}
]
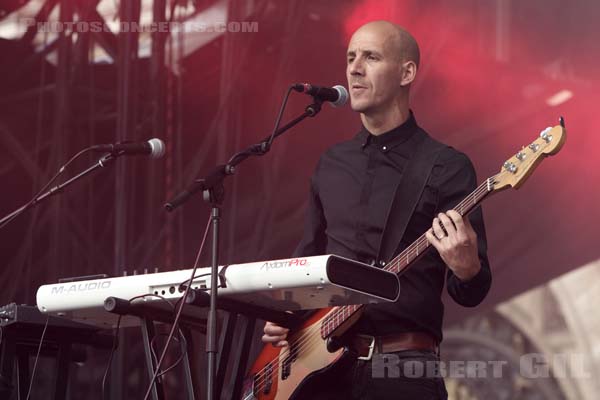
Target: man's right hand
[{"x": 275, "y": 335}]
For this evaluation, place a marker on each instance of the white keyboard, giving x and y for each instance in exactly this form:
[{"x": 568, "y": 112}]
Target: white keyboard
[{"x": 284, "y": 285}]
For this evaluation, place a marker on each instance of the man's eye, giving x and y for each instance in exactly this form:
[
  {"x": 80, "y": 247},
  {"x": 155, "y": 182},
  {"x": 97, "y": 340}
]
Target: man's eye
[
  {"x": 371, "y": 58},
  {"x": 350, "y": 60}
]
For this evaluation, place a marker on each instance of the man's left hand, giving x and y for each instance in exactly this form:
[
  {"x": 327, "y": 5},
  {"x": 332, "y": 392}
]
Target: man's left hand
[{"x": 456, "y": 241}]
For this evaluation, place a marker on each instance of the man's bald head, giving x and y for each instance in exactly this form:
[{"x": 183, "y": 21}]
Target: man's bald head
[
  {"x": 398, "y": 40},
  {"x": 382, "y": 63}
]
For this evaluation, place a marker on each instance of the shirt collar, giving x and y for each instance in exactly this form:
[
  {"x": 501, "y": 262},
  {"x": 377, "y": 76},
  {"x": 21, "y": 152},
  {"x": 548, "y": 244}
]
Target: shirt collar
[{"x": 391, "y": 138}]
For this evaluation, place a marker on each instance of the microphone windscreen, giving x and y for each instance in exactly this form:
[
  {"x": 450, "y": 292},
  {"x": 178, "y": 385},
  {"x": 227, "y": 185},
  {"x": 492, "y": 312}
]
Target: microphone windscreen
[
  {"x": 158, "y": 148},
  {"x": 343, "y": 96}
]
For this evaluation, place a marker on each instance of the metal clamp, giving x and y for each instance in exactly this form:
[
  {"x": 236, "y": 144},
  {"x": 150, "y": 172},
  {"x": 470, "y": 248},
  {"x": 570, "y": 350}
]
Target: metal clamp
[{"x": 371, "y": 348}]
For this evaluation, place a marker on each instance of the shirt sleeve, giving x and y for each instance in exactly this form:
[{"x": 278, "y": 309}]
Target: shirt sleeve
[
  {"x": 456, "y": 181},
  {"x": 314, "y": 239}
]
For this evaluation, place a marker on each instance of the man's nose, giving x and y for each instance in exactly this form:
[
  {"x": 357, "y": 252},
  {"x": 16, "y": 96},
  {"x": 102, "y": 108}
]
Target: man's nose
[{"x": 356, "y": 68}]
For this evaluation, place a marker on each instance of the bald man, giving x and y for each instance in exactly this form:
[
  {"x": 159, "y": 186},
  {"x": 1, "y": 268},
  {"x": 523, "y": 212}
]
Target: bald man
[{"x": 352, "y": 190}]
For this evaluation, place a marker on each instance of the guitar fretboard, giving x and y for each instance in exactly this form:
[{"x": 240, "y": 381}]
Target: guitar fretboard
[{"x": 405, "y": 259}]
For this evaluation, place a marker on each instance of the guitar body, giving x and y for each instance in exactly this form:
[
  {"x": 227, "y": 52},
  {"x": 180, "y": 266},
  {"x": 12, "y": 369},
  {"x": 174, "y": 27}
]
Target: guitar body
[{"x": 298, "y": 370}]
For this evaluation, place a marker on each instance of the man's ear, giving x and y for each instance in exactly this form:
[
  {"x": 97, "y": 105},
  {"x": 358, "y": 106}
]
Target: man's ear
[{"x": 409, "y": 73}]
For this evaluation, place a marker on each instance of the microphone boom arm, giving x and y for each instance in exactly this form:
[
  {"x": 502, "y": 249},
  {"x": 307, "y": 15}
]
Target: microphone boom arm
[
  {"x": 216, "y": 177},
  {"x": 103, "y": 161}
]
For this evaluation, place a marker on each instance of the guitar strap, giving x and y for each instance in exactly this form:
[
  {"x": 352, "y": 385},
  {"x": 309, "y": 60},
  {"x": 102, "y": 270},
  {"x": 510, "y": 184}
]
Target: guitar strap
[{"x": 408, "y": 193}]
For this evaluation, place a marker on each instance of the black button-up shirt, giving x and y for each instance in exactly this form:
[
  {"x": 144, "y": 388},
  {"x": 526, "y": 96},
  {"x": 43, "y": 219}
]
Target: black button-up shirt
[{"x": 350, "y": 194}]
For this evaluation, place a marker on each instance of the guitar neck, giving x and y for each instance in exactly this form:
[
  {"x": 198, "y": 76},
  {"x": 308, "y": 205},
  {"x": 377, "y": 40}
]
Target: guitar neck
[{"x": 405, "y": 259}]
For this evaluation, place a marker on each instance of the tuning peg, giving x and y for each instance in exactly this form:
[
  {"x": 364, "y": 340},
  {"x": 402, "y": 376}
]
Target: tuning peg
[
  {"x": 510, "y": 167},
  {"x": 534, "y": 147},
  {"x": 544, "y": 134}
]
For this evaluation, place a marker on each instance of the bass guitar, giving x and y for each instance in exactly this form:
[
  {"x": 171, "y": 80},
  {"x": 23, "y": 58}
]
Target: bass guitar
[{"x": 314, "y": 350}]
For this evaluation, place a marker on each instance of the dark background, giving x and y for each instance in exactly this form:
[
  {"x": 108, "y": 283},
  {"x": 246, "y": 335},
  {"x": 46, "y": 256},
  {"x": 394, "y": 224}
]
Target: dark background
[{"x": 487, "y": 72}]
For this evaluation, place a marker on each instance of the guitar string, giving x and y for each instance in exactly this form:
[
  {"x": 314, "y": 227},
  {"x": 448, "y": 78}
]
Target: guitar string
[
  {"x": 406, "y": 256},
  {"x": 311, "y": 338},
  {"x": 422, "y": 241},
  {"x": 304, "y": 340},
  {"x": 308, "y": 337},
  {"x": 328, "y": 319},
  {"x": 335, "y": 313}
]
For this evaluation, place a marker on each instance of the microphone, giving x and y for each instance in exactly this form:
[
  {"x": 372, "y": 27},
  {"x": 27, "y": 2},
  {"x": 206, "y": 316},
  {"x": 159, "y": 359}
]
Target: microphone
[
  {"x": 337, "y": 95},
  {"x": 153, "y": 147}
]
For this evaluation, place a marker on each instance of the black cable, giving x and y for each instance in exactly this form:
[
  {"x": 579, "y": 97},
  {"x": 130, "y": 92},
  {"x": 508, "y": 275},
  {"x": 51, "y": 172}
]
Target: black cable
[
  {"x": 46, "y": 186},
  {"x": 37, "y": 356},
  {"x": 181, "y": 334},
  {"x": 116, "y": 338},
  {"x": 154, "y": 295},
  {"x": 110, "y": 357},
  {"x": 183, "y": 284},
  {"x": 181, "y": 355},
  {"x": 178, "y": 315},
  {"x": 154, "y": 356}
]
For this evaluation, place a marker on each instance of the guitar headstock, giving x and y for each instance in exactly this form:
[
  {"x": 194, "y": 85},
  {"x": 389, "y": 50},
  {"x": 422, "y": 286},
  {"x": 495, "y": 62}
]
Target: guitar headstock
[{"x": 517, "y": 169}]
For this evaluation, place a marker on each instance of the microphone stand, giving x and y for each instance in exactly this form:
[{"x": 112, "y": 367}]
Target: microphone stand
[
  {"x": 214, "y": 193},
  {"x": 104, "y": 160}
]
